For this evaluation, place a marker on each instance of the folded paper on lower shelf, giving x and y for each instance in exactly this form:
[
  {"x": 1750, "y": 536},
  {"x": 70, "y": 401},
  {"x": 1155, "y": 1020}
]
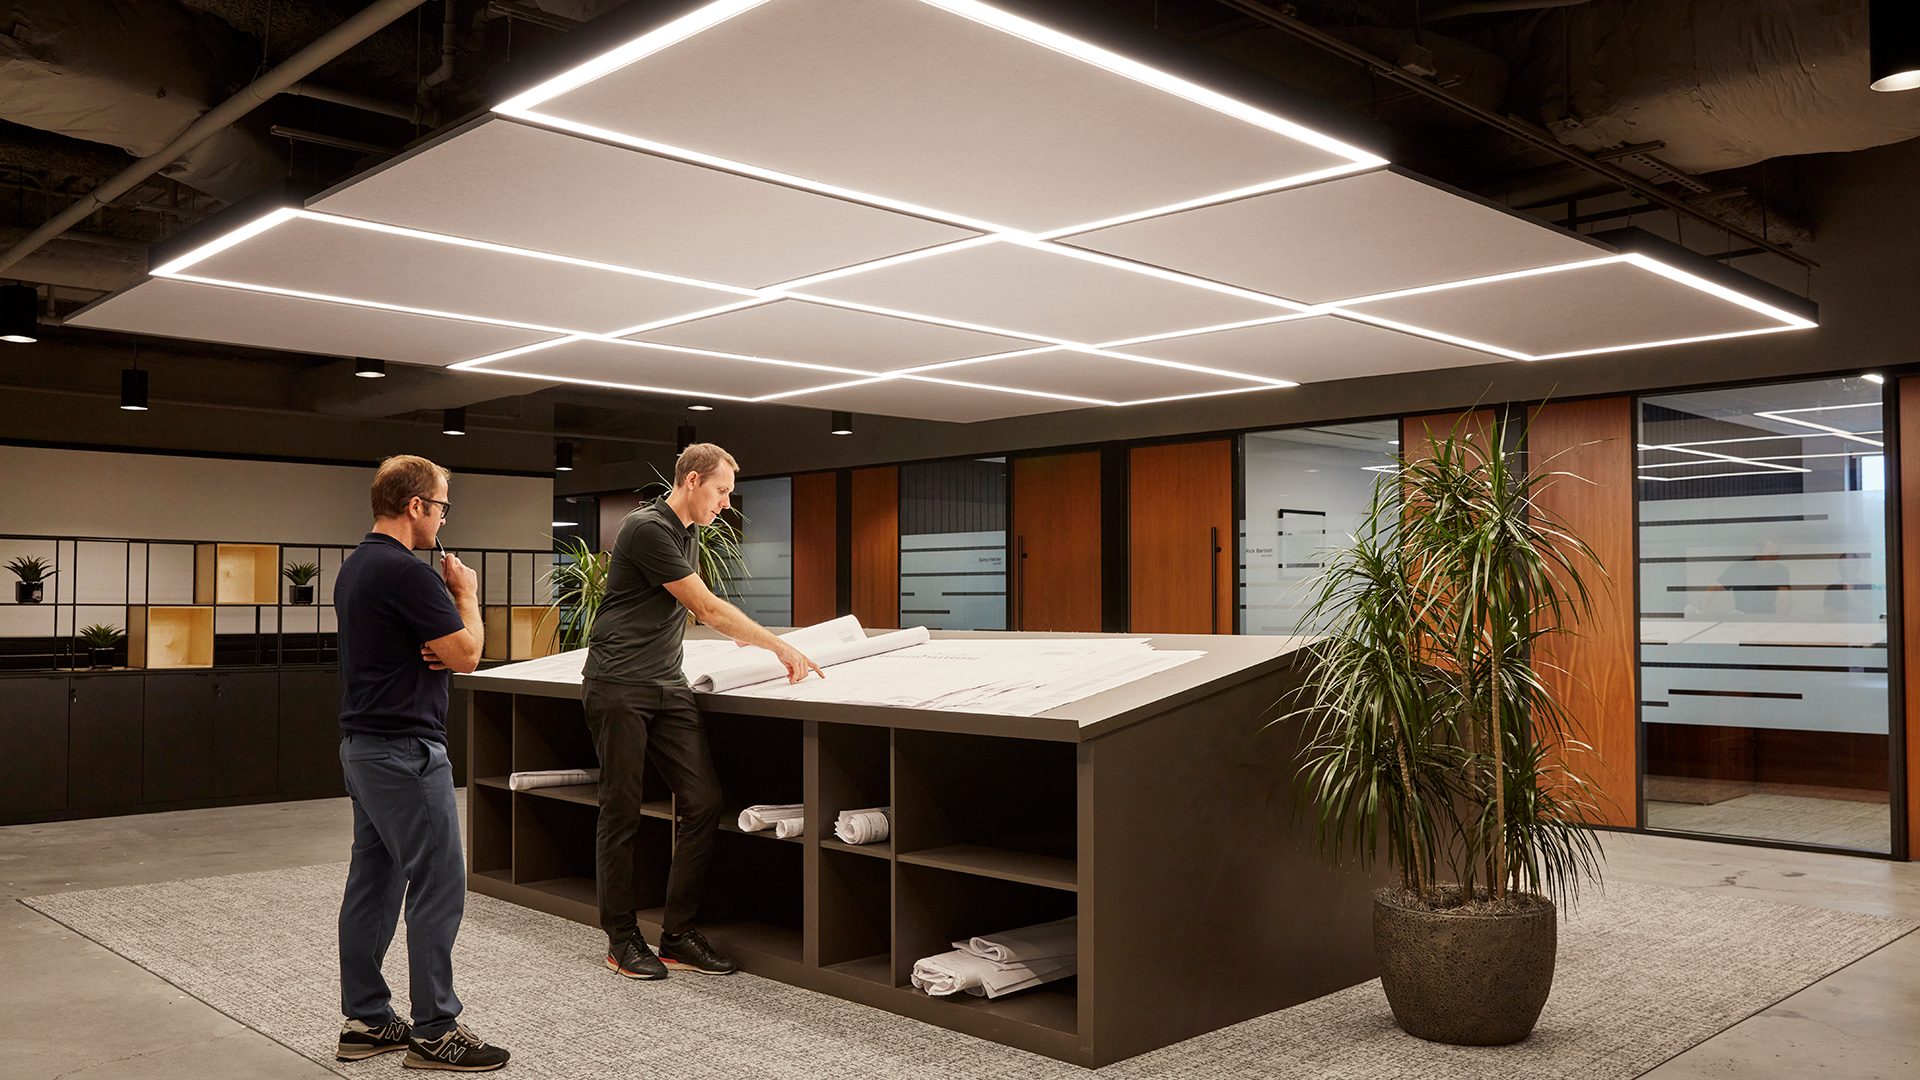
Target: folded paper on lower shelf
[
  {"x": 985, "y": 966},
  {"x": 527, "y": 781},
  {"x": 785, "y": 820},
  {"x": 870, "y": 826}
]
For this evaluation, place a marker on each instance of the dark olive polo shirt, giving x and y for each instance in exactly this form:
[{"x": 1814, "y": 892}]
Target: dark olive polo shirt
[{"x": 637, "y": 634}]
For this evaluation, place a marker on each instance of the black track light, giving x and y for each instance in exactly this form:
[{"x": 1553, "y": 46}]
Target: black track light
[
  {"x": 19, "y": 314},
  {"x": 370, "y": 367},
  {"x": 842, "y": 423},
  {"x": 133, "y": 390},
  {"x": 1893, "y": 45},
  {"x": 454, "y": 423},
  {"x": 684, "y": 438},
  {"x": 563, "y": 457}
]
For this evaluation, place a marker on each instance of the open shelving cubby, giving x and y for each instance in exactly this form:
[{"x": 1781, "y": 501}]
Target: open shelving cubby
[
  {"x": 236, "y": 573},
  {"x": 169, "y": 637},
  {"x": 941, "y": 823},
  {"x": 519, "y": 632}
]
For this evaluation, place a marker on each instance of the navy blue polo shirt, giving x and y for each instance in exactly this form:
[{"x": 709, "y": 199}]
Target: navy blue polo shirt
[{"x": 390, "y": 603}]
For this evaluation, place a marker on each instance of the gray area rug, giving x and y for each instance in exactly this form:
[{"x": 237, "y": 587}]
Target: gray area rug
[{"x": 1644, "y": 974}]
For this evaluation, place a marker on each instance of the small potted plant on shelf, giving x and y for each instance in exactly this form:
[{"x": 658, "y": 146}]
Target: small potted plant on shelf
[
  {"x": 100, "y": 643},
  {"x": 1435, "y": 733},
  {"x": 300, "y": 577},
  {"x": 33, "y": 573}
]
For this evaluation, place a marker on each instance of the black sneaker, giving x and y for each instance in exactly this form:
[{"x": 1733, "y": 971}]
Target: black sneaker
[
  {"x": 631, "y": 957},
  {"x": 458, "y": 1050},
  {"x": 359, "y": 1041},
  {"x": 695, "y": 953}
]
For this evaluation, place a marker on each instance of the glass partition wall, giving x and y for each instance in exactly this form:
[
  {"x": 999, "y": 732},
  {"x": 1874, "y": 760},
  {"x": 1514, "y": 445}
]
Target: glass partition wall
[
  {"x": 765, "y": 509},
  {"x": 1763, "y": 613},
  {"x": 1306, "y": 489},
  {"x": 953, "y": 544}
]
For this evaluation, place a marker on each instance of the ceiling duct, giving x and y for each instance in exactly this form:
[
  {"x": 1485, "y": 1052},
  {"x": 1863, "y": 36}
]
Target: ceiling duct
[
  {"x": 132, "y": 74},
  {"x": 1722, "y": 83}
]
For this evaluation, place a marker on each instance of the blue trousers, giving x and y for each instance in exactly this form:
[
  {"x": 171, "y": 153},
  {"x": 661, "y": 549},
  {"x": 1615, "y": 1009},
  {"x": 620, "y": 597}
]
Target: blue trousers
[{"x": 406, "y": 845}]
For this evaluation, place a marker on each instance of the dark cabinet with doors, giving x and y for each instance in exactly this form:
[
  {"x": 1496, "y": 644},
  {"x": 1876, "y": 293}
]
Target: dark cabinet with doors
[
  {"x": 33, "y": 730},
  {"x": 310, "y": 732},
  {"x": 246, "y": 733},
  {"x": 105, "y": 737},
  {"x": 177, "y": 760}
]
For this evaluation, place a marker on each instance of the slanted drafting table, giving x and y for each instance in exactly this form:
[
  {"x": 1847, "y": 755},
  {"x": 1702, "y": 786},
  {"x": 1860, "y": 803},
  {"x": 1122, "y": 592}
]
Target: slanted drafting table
[{"x": 1163, "y": 813}]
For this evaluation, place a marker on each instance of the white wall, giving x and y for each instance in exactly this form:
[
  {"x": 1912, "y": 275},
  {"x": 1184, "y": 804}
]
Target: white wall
[{"x": 89, "y": 493}]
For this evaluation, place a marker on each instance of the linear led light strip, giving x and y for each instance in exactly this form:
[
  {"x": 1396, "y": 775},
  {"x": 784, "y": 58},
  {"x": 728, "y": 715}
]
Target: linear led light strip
[
  {"x": 1787, "y": 319},
  {"x": 1712, "y": 456},
  {"x": 1744, "y": 439},
  {"x": 1788, "y": 416},
  {"x": 1777, "y": 457}
]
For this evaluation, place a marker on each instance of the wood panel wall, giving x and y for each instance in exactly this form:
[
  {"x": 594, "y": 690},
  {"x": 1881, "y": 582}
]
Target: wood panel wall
[
  {"x": 876, "y": 546},
  {"x": 816, "y": 548},
  {"x": 1909, "y": 468},
  {"x": 1593, "y": 669},
  {"x": 1177, "y": 492},
  {"x": 1055, "y": 577}
]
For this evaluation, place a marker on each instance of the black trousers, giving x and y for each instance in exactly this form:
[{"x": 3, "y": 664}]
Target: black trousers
[{"x": 627, "y": 723}]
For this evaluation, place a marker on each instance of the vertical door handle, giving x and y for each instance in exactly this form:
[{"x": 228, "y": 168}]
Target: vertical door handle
[
  {"x": 1213, "y": 577},
  {"x": 1020, "y": 582}
]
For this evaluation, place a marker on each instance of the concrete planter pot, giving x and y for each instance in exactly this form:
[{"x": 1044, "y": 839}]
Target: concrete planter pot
[{"x": 1467, "y": 980}]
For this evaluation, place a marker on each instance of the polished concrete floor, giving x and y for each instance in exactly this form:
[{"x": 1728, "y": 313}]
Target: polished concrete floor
[{"x": 77, "y": 1011}]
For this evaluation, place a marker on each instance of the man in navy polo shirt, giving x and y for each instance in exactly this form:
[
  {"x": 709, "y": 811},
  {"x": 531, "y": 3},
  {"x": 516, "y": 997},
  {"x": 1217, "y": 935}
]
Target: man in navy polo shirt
[{"x": 402, "y": 627}]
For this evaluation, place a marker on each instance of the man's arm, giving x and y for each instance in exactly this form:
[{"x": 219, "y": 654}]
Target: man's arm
[
  {"x": 460, "y": 650},
  {"x": 694, "y": 595}
]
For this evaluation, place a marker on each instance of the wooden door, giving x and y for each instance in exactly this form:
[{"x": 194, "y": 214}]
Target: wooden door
[
  {"x": 816, "y": 548},
  {"x": 1592, "y": 669},
  {"x": 1181, "y": 532},
  {"x": 1055, "y": 576},
  {"x": 876, "y": 546}
]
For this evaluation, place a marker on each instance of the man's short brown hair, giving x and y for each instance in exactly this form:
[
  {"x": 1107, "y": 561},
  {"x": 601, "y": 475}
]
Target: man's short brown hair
[
  {"x": 703, "y": 458},
  {"x": 400, "y": 478}
]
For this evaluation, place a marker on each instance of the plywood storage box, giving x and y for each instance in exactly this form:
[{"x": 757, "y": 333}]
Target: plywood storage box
[
  {"x": 170, "y": 637},
  {"x": 519, "y": 633},
  {"x": 236, "y": 574}
]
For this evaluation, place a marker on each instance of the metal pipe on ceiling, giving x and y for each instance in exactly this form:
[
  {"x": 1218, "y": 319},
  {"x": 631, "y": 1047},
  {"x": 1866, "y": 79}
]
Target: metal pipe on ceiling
[
  {"x": 1520, "y": 130},
  {"x": 1491, "y": 7},
  {"x": 361, "y": 26},
  {"x": 321, "y": 138},
  {"x": 351, "y": 100}
]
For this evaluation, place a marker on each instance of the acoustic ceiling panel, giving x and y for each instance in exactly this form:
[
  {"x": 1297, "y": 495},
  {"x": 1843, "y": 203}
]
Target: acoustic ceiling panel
[
  {"x": 1042, "y": 292},
  {"x": 1108, "y": 379},
  {"x": 339, "y": 257},
  {"x": 1618, "y": 303},
  {"x": 1377, "y": 232},
  {"x": 1315, "y": 349},
  {"x": 553, "y": 192},
  {"x": 911, "y": 397},
  {"x": 181, "y": 309},
  {"x": 842, "y": 337},
  {"x": 642, "y": 367},
  {"x": 943, "y": 105}
]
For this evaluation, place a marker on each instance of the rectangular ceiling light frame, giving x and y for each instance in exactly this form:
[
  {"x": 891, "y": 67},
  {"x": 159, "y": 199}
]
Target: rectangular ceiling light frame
[{"x": 526, "y": 107}]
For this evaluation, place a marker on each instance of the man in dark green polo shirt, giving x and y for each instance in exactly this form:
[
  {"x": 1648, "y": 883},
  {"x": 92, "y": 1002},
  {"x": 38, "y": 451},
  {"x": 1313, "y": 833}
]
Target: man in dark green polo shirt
[{"x": 637, "y": 701}]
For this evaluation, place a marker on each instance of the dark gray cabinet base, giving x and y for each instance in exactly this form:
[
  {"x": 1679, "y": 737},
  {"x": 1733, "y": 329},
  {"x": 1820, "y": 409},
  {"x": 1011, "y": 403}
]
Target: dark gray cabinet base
[{"x": 96, "y": 744}]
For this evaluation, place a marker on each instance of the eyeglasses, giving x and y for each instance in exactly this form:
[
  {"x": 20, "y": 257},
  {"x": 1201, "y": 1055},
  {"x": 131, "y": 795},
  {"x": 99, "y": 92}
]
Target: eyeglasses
[{"x": 446, "y": 508}]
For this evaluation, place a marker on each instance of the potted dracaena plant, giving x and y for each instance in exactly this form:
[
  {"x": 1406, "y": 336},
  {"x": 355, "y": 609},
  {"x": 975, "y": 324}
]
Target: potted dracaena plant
[
  {"x": 300, "y": 577},
  {"x": 579, "y": 574},
  {"x": 1435, "y": 730},
  {"x": 101, "y": 641},
  {"x": 33, "y": 572}
]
